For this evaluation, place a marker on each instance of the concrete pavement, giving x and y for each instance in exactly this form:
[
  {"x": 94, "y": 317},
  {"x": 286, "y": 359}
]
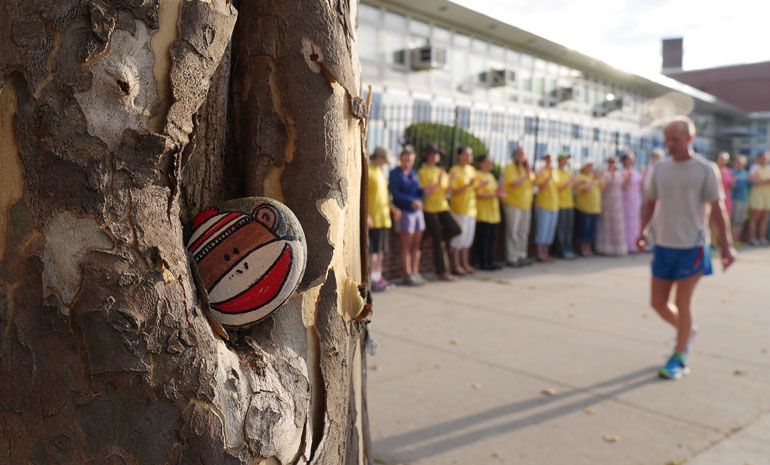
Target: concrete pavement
[{"x": 556, "y": 364}]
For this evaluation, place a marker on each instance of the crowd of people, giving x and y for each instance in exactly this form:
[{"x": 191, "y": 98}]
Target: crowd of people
[{"x": 590, "y": 210}]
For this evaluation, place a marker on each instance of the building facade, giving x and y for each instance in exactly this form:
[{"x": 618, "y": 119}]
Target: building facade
[
  {"x": 747, "y": 86},
  {"x": 437, "y": 61}
]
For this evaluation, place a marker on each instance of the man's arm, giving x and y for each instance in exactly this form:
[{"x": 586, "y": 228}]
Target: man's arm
[
  {"x": 647, "y": 211},
  {"x": 719, "y": 217}
]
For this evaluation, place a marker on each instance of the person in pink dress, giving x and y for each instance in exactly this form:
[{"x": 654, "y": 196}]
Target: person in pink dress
[
  {"x": 632, "y": 200},
  {"x": 727, "y": 179},
  {"x": 611, "y": 231}
]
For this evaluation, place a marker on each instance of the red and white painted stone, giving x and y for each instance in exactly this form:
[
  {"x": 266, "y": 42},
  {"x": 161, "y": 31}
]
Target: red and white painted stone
[{"x": 251, "y": 254}]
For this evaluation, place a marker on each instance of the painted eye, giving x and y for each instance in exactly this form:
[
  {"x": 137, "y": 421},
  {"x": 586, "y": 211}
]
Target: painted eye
[
  {"x": 236, "y": 251},
  {"x": 227, "y": 258}
]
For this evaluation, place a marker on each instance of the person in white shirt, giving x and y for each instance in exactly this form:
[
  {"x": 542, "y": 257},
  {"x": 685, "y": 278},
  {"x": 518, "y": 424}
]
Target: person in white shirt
[{"x": 686, "y": 189}]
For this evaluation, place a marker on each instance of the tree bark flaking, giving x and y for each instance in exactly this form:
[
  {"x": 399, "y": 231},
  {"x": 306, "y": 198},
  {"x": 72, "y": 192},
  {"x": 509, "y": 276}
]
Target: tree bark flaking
[{"x": 110, "y": 357}]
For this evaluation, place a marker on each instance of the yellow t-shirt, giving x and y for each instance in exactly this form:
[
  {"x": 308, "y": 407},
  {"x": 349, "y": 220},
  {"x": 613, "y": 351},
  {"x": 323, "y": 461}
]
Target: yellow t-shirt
[
  {"x": 436, "y": 202},
  {"x": 520, "y": 196},
  {"x": 588, "y": 201},
  {"x": 488, "y": 209},
  {"x": 548, "y": 195},
  {"x": 379, "y": 199},
  {"x": 763, "y": 173},
  {"x": 463, "y": 203},
  {"x": 566, "y": 199}
]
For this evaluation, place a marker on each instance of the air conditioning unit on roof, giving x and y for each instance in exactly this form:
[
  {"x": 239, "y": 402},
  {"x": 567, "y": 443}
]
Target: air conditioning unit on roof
[
  {"x": 497, "y": 77},
  {"x": 428, "y": 57},
  {"x": 607, "y": 107},
  {"x": 562, "y": 94}
]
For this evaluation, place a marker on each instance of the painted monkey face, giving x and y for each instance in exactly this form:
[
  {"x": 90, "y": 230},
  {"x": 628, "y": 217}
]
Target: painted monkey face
[{"x": 247, "y": 268}]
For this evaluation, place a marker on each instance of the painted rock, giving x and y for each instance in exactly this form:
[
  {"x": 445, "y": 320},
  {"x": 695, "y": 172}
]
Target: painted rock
[{"x": 251, "y": 255}]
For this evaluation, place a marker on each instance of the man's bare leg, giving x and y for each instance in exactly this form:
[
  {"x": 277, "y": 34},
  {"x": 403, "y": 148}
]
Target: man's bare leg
[
  {"x": 684, "y": 291},
  {"x": 661, "y": 290}
]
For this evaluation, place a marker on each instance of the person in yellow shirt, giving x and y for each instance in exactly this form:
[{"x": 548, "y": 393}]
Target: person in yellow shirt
[
  {"x": 462, "y": 202},
  {"x": 759, "y": 175},
  {"x": 588, "y": 204},
  {"x": 517, "y": 181},
  {"x": 565, "y": 224},
  {"x": 378, "y": 219},
  {"x": 488, "y": 215},
  {"x": 546, "y": 209},
  {"x": 439, "y": 223}
]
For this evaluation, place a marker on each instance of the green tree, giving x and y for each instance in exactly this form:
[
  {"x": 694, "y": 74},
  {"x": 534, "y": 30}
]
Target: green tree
[{"x": 420, "y": 135}]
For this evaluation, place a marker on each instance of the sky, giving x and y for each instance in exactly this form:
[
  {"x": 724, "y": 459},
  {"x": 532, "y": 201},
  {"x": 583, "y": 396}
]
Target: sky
[{"x": 627, "y": 33}]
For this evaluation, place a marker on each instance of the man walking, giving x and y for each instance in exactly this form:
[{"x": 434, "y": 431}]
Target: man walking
[{"x": 685, "y": 188}]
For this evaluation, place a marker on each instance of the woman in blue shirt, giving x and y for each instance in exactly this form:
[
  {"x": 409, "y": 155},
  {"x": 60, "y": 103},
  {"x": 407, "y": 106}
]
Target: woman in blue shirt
[
  {"x": 407, "y": 196},
  {"x": 740, "y": 193}
]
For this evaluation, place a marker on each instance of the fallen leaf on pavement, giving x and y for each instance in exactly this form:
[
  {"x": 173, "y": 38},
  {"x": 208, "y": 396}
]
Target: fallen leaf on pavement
[
  {"x": 765, "y": 350},
  {"x": 495, "y": 455},
  {"x": 503, "y": 281},
  {"x": 376, "y": 367},
  {"x": 454, "y": 342},
  {"x": 531, "y": 287},
  {"x": 478, "y": 386},
  {"x": 589, "y": 411},
  {"x": 438, "y": 365},
  {"x": 571, "y": 315},
  {"x": 676, "y": 462},
  {"x": 550, "y": 391},
  {"x": 739, "y": 372},
  {"x": 612, "y": 438}
]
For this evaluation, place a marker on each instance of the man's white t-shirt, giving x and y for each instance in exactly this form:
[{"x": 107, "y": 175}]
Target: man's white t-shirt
[{"x": 684, "y": 191}]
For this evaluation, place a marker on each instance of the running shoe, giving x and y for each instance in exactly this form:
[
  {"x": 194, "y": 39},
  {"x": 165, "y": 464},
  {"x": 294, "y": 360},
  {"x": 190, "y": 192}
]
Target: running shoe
[
  {"x": 417, "y": 277},
  {"x": 675, "y": 368},
  {"x": 382, "y": 285},
  {"x": 568, "y": 254}
]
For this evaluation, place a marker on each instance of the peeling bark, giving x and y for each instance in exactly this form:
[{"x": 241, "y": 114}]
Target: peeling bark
[{"x": 119, "y": 124}]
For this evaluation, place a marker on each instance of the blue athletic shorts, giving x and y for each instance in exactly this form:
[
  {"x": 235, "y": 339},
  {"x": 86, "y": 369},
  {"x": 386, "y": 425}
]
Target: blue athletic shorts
[{"x": 676, "y": 264}]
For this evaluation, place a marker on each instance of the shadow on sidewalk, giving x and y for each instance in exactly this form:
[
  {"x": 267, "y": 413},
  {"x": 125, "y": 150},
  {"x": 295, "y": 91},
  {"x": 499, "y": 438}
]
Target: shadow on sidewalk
[{"x": 457, "y": 433}]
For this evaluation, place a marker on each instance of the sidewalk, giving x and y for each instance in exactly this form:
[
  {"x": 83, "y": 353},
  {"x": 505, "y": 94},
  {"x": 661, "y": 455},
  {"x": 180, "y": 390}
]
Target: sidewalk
[{"x": 557, "y": 365}]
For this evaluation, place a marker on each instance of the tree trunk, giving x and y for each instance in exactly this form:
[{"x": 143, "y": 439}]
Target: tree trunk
[{"x": 120, "y": 120}]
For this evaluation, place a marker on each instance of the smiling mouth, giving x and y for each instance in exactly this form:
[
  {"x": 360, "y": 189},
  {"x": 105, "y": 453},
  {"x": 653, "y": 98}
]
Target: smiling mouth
[{"x": 264, "y": 290}]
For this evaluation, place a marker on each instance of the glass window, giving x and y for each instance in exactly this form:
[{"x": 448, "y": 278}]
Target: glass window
[
  {"x": 419, "y": 28},
  {"x": 761, "y": 127},
  {"x": 496, "y": 51},
  {"x": 441, "y": 35},
  {"x": 368, "y": 13},
  {"x": 395, "y": 47},
  {"x": 512, "y": 57},
  {"x": 529, "y": 125},
  {"x": 479, "y": 46},
  {"x": 460, "y": 69},
  {"x": 576, "y": 131},
  {"x": 421, "y": 111},
  {"x": 461, "y": 41},
  {"x": 395, "y": 21},
  {"x": 368, "y": 41},
  {"x": 464, "y": 117}
]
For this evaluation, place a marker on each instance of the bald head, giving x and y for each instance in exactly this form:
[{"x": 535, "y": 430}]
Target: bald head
[
  {"x": 678, "y": 134},
  {"x": 682, "y": 123}
]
